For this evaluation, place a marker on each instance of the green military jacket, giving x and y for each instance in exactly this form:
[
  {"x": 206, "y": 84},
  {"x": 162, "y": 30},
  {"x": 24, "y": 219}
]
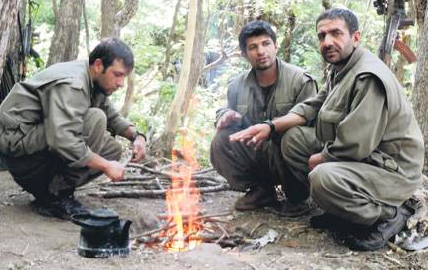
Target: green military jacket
[
  {"x": 292, "y": 86},
  {"x": 47, "y": 111},
  {"x": 362, "y": 115}
]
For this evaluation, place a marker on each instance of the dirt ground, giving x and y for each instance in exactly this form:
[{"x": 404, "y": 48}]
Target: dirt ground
[{"x": 30, "y": 241}]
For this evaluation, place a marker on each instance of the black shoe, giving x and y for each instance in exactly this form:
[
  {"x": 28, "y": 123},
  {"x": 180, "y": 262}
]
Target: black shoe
[
  {"x": 288, "y": 209},
  {"x": 256, "y": 197},
  {"x": 333, "y": 223},
  {"x": 377, "y": 235},
  {"x": 60, "y": 207}
]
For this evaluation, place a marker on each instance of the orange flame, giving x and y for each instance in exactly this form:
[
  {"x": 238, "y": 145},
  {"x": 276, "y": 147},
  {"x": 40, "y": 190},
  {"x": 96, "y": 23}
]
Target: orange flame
[{"x": 182, "y": 201}]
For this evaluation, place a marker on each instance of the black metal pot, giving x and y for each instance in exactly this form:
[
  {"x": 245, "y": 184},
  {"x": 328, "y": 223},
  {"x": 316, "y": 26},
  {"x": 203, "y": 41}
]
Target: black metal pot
[{"x": 103, "y": 234}]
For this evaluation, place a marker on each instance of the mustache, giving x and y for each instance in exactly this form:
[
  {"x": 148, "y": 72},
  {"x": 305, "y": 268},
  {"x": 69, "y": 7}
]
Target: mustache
[{"x": 329, "y": 49}]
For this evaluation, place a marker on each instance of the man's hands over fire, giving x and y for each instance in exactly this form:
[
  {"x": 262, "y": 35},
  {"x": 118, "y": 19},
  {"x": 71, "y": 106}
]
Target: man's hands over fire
[
  {"x": 315, "y": 160},
  {"x": 253, "y": 136},
  {"x": 227, "y": 118},
  {"x": 138, "y": 149}
]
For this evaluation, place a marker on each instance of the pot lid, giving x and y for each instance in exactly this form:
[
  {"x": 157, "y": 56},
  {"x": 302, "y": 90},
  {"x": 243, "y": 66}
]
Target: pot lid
[{"x": 103, "y": 213}]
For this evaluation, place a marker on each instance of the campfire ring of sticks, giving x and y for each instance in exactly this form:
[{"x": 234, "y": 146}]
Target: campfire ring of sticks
[{"x": 150, "y": 180}]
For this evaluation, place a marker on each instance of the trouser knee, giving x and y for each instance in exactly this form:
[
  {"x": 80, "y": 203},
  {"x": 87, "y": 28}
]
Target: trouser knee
[{"x": 288, "y": 143}]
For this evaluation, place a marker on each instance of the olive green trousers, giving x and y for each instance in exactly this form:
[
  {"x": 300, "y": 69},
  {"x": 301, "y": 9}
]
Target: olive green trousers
[
  {"x": 244, "y": 167},
  {"x": 44, "y": 173},
  {"x": 355, "y": 191}
]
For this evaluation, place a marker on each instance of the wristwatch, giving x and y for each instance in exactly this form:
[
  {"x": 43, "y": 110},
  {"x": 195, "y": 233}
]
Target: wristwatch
[
  {"x": 271, "y": 125},
  {"x": 136, "y": 134}
]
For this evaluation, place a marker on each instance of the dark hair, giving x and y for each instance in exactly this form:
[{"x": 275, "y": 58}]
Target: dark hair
[
  {"x": 340, "y": 13},
  {"x": 255, "y": 28},
  {"x": 110, "y": 49}
]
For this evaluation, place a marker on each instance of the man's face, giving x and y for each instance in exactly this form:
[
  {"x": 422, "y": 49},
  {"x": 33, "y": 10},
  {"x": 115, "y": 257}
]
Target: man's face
[
  {"x": 335, "y": 42},
  {"x": 261, "y": 52},
  {"x": 112, "y": 78}
]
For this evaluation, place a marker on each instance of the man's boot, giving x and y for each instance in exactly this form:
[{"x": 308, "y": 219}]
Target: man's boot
[
  {"x": 62, "y": 206},
  {"x": 289, "y": 209},
  {"x": 256, "y": 197},
  {"x": 334, "y": 223},
  {"x": 377, "y": 235}
]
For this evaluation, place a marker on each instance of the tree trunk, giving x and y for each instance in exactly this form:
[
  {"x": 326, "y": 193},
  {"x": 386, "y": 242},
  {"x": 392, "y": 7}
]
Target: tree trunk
[
  {"x": 190, "y": 73},
  {"x": 286, "y": 43},
  {"x": 8, "y": 18},
  {"x": 240, "y": 17},
  {"x": 86, "y": 22},
  {"x": 420, "y": 89},
  {"x": 168, "y": 43},
  {"x": 65, "y": 41},
  {"x": 114, "y": 18},
  {"x": 129, "y": 96}
]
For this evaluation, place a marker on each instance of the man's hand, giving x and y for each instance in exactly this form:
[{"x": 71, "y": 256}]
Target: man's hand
[
  {"x": 252, "y": 136},
  {"x": 227, "y": 118},
  {"x": 314, "y": 160},
  {"x": 115, "y": 171},
  {"x": 138, "y": 149}
]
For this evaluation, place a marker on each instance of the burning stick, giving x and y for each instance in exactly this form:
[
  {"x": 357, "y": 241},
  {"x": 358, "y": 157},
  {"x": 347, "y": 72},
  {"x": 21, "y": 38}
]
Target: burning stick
[{"x": 108, "y": 193}]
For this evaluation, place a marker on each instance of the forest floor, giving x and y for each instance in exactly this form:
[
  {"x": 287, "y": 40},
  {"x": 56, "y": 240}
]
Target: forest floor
[{"x": 31, "y": 241}]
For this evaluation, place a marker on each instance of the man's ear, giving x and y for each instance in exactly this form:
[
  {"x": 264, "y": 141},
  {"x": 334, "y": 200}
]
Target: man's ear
[
  {"x": 98, "y": 66},
  {"x": 356, "y": 38}
]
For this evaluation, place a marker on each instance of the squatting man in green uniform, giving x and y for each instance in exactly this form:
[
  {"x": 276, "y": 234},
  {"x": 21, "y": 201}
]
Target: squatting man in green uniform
[
  {"x": 56, "y": 128},
  {"x": 364, "y": 157},
  {"x": 266, "y": 91}
]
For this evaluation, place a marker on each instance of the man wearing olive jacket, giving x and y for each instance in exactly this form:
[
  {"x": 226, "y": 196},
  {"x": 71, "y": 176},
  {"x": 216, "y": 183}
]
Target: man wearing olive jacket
[
  {"x": 56, "y": 128},
  {"x": 266, "y": 91},
  {"x": 364, "y": 157}
]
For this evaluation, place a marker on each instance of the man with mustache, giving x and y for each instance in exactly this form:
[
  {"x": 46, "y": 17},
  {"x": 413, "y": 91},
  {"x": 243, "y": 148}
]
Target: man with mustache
[
  {"x": 57, "y": 128},
  {"x": 267, "y": 91},
  {"x": 364, "y": 157}
]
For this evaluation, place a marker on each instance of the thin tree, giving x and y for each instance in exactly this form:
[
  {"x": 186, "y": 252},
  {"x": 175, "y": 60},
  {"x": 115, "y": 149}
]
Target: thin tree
[
  {"x": 8, "y": 18},
  {"x": 113, "y": 19},
  {"x": 420, "y": 89},
  {"x": 170, "y": 38},
  {"x": 189, "y": 76},
  {"x": 65, "y": 41}
]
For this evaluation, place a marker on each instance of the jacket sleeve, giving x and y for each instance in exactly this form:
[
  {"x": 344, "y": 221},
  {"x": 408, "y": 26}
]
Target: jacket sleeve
[
  {"x": 310, "y": 107},
  {"x": 115, "y": 122},
  {"x": 361, "y": 131},
  {"x": 64, "y": 124},
  {"x": 308, "y": 89}
]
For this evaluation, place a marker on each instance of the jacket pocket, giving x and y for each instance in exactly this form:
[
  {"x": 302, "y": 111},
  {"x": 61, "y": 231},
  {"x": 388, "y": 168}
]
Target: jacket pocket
[{"x": 327, "y": 123}]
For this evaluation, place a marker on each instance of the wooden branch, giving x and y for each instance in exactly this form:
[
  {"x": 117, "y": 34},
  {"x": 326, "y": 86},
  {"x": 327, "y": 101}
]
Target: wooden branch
[
  {"x": 224, "y": 56},
  {"x": 128, "y": 11},
  {"x": 108, "y": 193}
]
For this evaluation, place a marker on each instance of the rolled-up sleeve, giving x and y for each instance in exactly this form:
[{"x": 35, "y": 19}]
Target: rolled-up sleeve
[{"x": 64, "y": 124}]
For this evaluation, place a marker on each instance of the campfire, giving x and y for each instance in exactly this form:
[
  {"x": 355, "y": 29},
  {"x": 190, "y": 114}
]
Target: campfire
[
  {"x": 183, "y": 201},
  {"x": 181, "y": 182}
]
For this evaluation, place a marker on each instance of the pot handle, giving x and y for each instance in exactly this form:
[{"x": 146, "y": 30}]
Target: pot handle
[{"x": 76, "y": 219}]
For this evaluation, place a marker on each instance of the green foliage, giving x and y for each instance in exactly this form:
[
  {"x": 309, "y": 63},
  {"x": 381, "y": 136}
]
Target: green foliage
[{"x": 148, "y": 32}]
